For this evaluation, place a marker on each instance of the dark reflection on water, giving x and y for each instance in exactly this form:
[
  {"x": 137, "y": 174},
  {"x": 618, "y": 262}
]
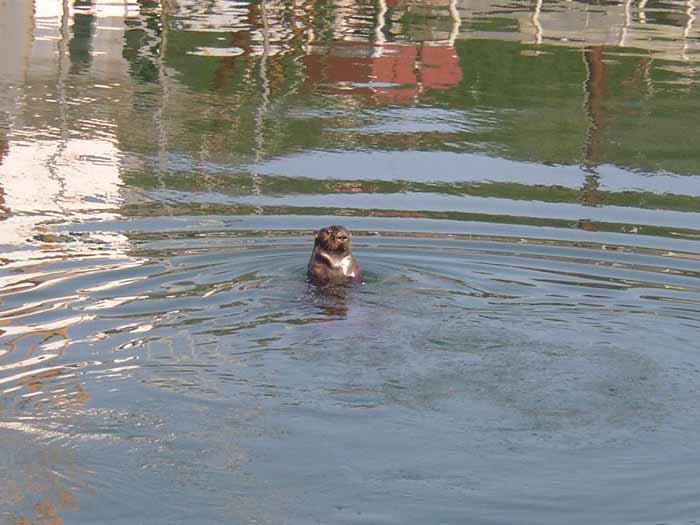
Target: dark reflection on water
[{"x": 523, "y": 183}]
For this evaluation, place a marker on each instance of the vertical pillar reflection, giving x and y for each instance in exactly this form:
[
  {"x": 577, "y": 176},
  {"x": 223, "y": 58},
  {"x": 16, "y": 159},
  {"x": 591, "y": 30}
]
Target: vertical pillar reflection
[{"x": 595, "y": 88}]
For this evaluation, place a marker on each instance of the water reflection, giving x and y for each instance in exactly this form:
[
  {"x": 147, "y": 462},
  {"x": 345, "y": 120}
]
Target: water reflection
[
  {"x": 563, "y": 105},
  {"x": 343, "y": 61},
  {"x": 525, "y": 183}
]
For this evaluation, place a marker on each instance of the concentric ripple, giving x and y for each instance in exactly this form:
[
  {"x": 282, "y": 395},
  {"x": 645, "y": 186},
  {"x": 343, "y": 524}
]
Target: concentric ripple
[{"x": 182, "y": 302}]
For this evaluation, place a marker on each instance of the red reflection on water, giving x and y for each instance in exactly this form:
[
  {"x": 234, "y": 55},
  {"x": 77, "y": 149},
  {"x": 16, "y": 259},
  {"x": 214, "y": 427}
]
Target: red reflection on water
[{"x": 350, "y": 67}]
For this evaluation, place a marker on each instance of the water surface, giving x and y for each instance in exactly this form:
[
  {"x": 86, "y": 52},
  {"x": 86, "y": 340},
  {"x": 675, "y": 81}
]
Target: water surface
[{"x": 523, "y": 184}]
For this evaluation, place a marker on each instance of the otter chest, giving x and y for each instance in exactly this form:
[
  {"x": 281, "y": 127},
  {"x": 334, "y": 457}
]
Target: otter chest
[{"x": 344, "y": 266}]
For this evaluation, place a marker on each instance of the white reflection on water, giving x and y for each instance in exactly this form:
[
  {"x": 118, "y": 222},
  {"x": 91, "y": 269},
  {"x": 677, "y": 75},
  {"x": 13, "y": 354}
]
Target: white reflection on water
[
  {"x": 420, "y": 166},
  {"x": 50, "y": 177},
  {"x": 62, "y": 161}
]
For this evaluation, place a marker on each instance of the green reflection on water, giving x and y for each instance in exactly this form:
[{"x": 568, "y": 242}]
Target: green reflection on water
[
  {"x": 247, "y": 184},
  {"x": 553, "y": 104}
]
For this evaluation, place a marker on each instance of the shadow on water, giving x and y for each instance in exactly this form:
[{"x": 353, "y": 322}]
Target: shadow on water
[
  {"x": 332, "y": 299},
  {"x": 523, "y": 184}
]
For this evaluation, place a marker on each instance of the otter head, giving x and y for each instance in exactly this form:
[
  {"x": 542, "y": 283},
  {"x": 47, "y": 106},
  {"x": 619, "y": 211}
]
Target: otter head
[{"x": 333, "y": 239}]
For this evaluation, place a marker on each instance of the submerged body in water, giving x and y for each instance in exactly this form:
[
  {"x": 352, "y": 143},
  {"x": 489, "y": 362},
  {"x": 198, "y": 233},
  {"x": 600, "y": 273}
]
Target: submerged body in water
[{"x": 331, "y": 260}]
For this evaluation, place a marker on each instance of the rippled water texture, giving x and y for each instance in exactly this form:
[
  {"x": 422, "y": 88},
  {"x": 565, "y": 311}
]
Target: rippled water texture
[{"x": 523, "y": 185}]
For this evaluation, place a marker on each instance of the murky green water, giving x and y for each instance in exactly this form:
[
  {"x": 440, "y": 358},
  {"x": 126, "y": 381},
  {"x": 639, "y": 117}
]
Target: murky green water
[{"x": 523, "y": 183}]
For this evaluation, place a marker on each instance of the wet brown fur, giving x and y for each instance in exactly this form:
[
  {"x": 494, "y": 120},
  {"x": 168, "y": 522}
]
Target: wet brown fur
[{"x": 331, "y": 246}]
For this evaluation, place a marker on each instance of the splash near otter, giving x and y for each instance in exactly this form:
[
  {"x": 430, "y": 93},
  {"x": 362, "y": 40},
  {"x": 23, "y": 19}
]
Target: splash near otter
[{"x": 331, "y": 260}]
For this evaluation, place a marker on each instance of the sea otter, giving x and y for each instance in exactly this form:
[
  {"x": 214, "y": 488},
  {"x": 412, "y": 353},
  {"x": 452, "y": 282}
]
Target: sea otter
[{"x": 331, "y": 260}]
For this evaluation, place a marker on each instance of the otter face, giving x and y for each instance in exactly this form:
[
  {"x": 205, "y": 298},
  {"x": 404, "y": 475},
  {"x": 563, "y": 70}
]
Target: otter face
[{"x": 334, "y": 238}]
